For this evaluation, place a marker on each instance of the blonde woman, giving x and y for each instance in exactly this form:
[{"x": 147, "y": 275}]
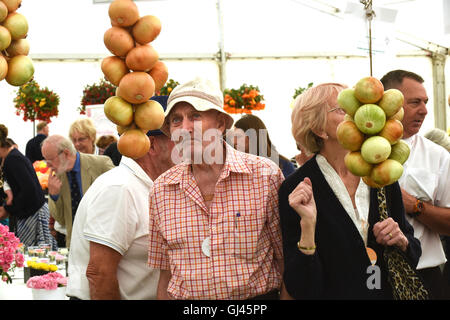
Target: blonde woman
[
  {"x": 329, "y": 216},
  {"x": 82, "y": 132}
]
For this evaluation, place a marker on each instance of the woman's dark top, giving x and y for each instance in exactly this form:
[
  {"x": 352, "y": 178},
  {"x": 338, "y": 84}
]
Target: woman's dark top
[
  {"x": 338, "y": 268},
  {"x": 28, "y": 196}
]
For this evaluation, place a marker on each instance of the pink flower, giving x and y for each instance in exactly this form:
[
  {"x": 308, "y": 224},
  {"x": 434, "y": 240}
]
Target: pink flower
[
  {"x": 19, "y": 260},
  {"x": 9, "y": 255},
  {"x": 49, "y": 281}
]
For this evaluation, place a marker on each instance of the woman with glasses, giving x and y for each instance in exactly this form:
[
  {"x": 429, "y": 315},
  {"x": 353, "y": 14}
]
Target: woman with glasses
[
  {"x": 82, "y": 132},
  {"x": 329, "y": 217},
  {"x": 28, "y": 212}
]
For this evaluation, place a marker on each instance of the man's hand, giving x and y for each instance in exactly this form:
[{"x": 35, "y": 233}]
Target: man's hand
[
  {"x": 54, "y": 184},
  {"x": 435, "y": 218}
]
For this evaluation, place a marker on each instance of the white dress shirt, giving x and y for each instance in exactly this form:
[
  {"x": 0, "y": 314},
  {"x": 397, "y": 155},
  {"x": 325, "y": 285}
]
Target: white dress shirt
[{"x": 426, "y": 176}]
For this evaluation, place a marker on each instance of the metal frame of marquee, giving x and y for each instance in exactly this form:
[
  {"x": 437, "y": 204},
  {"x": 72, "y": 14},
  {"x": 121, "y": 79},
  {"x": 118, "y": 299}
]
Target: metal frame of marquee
[{"x": 435, "y": 52}]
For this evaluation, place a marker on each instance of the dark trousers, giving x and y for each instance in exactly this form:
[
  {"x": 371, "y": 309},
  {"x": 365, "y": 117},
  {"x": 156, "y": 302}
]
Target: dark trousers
[{"x": 434, "y": 281}]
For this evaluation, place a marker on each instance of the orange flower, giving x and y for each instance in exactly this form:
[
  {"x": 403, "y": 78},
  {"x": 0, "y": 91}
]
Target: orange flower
[
  {"x": 253, "y": 93},
  {"x": 242, "y": 100}
]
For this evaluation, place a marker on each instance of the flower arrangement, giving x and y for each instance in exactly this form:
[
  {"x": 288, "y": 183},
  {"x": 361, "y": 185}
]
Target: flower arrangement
[
  {"x": 96, "y": 93},
  {"x": 36, "y": 103},
  {"x": 42, "y": 172},
  {"x": 41, "y": 266},
  {"x": 168, "y": 87},
  {"x": 10, "y": 257},
  {"x": 49, "y": 281},
  {"x": 243, "y": 100}
]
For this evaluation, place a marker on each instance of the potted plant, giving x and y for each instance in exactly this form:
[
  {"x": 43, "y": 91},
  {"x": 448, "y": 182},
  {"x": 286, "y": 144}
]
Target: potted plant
[
  {"x": 50, "y": 286},
  {"x": 243, "y": 100},
  {"x": 96, "y": 93},
  {"x": 36, "y": 103}
]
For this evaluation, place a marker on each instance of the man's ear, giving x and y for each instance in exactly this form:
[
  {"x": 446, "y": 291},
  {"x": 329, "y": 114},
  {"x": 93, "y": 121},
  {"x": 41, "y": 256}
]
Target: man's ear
[
  {"x": 152, "y": 144},
  {"x": 221, "y": 122}
]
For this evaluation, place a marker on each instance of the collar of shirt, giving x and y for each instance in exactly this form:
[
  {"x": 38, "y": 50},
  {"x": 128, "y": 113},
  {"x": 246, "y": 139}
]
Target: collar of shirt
[
  {"x": 234, "y": 162},
  {"x": 77, "y": 165},
  {"x": 360, "y": 214},
  {"x": 137, "y": 170}
]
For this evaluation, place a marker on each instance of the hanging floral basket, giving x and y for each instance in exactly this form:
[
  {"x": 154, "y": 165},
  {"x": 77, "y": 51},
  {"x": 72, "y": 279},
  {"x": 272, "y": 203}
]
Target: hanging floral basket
[
  {"x": 243, "y": 100},
  {"x": 167, "y": 89},
  {"x": 96, "y": 93},
  {"x": 300, "y": 90},
  {"x": 36, "y": 103}
]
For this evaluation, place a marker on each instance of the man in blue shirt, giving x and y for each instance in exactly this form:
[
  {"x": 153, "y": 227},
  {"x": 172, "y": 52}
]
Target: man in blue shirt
[{"x": 71, "y": 174}]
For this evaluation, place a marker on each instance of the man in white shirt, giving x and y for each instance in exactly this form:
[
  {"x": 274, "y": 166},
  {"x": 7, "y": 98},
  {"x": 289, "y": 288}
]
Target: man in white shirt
[
  {"x": 425, "y": 181},
  {"x": 108, "y": 254}
]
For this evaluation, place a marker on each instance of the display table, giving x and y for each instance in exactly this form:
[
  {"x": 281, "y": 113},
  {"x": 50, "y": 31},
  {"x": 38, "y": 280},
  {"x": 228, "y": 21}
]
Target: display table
[{"x": 17, "y": 290}]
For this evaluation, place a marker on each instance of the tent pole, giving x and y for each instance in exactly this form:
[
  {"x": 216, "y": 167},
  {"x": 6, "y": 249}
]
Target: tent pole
[
  {"x": 221, "y": 54},
  {"x": 439, "y": 97}
]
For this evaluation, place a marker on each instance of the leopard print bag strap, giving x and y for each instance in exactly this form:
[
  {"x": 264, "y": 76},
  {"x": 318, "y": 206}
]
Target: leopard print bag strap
[{"x": 405, "y": 282}]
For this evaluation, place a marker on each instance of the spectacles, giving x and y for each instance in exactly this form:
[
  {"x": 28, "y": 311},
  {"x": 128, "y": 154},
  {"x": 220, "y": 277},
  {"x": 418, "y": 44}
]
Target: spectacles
[
  {"x": 81, "y": 140},
  {"x": 51, "y": 160},
  {"x": 338, "y": 110}
]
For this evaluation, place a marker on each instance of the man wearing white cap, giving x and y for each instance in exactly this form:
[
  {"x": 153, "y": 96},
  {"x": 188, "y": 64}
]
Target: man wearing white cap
[{"x": 214, "y": 222}]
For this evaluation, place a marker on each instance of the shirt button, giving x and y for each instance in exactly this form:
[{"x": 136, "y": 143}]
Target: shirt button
[{"x": 213, "y": 229}]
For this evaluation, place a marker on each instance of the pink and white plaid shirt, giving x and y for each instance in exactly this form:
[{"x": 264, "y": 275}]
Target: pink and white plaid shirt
[{"x": 243, "y": 225}]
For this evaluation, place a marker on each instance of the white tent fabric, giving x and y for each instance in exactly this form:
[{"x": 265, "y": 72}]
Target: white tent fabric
[{"x": 276, "y": 45}]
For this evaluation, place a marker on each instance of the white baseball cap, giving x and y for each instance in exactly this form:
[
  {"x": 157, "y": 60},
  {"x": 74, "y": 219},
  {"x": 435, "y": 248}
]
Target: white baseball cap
[{"x": 202, "y": 94}]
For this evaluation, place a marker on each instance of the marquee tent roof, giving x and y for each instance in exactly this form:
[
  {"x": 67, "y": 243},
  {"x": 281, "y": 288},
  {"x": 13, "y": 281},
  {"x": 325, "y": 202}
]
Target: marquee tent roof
[{"x": 277, "y": 45}]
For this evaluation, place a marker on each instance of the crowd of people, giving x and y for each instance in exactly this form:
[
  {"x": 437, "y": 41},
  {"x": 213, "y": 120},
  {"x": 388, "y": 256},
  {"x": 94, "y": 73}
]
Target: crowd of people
[{"x": 213, "y": 211}]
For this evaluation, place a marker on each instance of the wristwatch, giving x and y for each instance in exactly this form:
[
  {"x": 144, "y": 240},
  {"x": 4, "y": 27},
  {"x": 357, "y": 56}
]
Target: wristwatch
[{"x": 418, "y": 209}]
